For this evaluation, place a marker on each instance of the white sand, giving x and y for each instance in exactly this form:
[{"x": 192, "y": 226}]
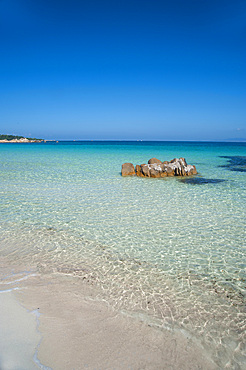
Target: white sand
[{"x": 79, "y": 332}]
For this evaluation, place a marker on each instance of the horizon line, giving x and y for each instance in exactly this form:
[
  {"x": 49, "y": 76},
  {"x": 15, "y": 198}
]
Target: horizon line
[{"x": 144, "y": 140}]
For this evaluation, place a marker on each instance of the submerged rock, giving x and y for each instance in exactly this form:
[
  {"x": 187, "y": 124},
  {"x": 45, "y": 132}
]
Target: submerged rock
[
  {"x": 200, "y": 181},
  {"x": 157, "y": 168},
  {"x": 235, "y": 163}
]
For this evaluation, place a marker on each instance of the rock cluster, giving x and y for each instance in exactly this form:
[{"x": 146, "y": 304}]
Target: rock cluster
[{"x": 157, "y": 168}]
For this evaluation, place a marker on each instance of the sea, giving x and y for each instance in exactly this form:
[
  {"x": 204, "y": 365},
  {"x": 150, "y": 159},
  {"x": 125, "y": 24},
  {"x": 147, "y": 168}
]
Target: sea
[{"x": 168, "y": 251}]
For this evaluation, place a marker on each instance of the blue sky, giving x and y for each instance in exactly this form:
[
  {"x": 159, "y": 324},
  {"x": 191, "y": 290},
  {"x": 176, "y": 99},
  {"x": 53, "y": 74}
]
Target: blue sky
[{"x": 126, "y": 70}]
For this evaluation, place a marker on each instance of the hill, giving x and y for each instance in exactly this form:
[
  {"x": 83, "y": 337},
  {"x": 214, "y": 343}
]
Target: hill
[{"x": 18, "y": 139}]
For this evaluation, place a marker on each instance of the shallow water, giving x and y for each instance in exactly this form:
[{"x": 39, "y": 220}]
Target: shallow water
[{"x": 169, "y": 250}]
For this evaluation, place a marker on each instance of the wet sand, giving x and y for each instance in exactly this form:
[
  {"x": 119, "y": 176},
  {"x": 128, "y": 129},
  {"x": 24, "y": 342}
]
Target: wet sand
[
  {"x": 19, "y": 338},
  {"x": 74, "y": 330}
]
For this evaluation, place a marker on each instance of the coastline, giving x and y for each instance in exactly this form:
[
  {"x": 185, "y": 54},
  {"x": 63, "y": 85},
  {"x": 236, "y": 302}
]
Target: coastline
[
  {"x": 21, "y": 141},
  {"x": 80, "y": 331}
]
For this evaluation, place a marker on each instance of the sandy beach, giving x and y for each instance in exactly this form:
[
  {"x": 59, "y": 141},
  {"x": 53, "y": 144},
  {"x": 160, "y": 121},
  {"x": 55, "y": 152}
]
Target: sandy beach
[{"x": 57, "y": 322}]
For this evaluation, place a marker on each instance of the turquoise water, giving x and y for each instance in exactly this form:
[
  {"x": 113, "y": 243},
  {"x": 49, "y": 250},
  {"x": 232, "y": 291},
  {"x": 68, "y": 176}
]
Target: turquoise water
[{"x": 167, "y": 250}]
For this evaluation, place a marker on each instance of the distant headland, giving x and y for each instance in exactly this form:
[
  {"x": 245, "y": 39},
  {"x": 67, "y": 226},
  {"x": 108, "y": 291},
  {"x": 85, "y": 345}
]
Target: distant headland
[{"x": 18, "y": 139}]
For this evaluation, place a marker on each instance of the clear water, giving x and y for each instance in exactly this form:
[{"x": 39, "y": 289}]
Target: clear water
[{"x": 167, "y": 250}]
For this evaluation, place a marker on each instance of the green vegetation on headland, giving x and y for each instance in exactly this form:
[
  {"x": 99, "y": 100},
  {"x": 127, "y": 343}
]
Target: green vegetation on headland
[{"x": 16, "y": 138}]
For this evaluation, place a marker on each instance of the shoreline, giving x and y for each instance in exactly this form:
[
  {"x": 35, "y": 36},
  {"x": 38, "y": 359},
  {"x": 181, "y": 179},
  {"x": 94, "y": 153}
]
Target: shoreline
[
  {"x": 20, "y": 337},
  {"x": 79, "y": 331}
]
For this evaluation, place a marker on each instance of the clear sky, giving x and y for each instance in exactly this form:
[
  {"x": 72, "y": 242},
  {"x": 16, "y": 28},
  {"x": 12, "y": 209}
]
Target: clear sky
[{"x": 129, "y": 69}]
